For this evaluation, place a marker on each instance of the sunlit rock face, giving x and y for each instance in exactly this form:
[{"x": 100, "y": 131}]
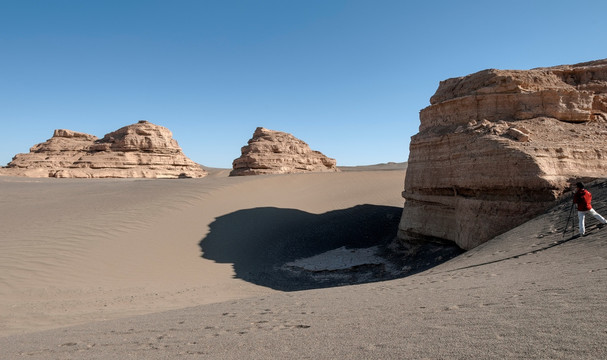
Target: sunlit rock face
[
  {"x": 141, "y": 150},
  {"x": 498, "y": 147},
  {"x": 276, "y": 152}
]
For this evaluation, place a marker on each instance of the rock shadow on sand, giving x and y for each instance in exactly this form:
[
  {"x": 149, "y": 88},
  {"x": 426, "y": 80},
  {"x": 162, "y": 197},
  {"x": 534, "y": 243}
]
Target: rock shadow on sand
[
  {"x": 290, "y": 250},
  {"x": 262, "y": 244}
]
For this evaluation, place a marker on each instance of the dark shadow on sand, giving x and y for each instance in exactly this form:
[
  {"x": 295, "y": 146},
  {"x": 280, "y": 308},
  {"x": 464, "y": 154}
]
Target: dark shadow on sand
[{"x": 258, "y": 242}]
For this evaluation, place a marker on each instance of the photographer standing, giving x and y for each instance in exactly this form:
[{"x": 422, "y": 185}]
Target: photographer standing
[{"x": 583, "y": 199}]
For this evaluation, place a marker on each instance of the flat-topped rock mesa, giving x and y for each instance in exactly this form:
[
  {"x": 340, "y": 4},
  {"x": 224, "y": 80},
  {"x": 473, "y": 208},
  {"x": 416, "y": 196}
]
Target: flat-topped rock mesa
[
  {"x": 276, "y": 152},
  {"x": 498, "y": 147},
  {"x": 141, "y": 150}
]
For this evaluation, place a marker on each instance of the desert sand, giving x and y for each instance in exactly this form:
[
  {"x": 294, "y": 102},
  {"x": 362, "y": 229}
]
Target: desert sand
[
  {"x": 163, "y": 269},
  {"x": 73, "y": 250}
]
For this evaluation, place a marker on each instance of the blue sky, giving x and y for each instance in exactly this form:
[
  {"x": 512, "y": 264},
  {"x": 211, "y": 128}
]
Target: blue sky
[{"x": 347, "y": 77}]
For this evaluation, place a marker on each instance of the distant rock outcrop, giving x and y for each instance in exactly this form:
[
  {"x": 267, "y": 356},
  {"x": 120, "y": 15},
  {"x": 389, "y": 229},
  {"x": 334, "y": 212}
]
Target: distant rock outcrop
[
  {"x": 141, "y": 150},
  {"x": 496, "y": 148},
  {"x": 276, "y": 152}
]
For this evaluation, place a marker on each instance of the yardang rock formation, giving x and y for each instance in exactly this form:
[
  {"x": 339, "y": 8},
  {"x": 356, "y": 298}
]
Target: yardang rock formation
[
  {"x": 498, "y": 147},
  {"x": 141, "y": 150},
  {"x": 276, "y": 152}
]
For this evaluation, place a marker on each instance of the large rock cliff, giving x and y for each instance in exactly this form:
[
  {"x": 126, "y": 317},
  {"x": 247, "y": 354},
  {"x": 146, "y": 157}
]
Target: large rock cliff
[
  {"x": 141, "y": 150},
  {"x": 497, "y": 147},
  {"x": 276, "y": 152}
]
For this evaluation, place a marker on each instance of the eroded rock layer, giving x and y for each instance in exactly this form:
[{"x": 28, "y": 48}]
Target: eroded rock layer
[
  {"x": 276, "y": 152},
  {"x": 141, "y": 150},
  {"x": 498, "y": 147}
]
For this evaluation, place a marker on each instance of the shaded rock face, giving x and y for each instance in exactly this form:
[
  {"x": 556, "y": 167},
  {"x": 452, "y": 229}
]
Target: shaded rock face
[
  {"x": 141, "y": 150},
  {"x": 275, "y": 152},
  {"x": 496, "y": 148}
]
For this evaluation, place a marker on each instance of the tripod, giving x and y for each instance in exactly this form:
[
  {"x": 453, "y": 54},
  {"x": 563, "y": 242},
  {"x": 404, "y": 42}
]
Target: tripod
[{"x": 569, "y": 218}]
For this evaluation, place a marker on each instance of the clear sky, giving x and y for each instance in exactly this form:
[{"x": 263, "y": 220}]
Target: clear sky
[{"x": 347, "y": 77}]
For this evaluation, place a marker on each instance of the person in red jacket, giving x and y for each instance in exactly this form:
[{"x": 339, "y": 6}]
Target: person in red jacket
[{"x": 583, "y": 199}]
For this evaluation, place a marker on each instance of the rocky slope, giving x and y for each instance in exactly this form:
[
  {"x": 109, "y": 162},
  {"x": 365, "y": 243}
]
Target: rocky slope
[
  {"x": 497, "y": 147},
  {"x": 276, "y": 152},
  {"x": 141, "y": 150}
]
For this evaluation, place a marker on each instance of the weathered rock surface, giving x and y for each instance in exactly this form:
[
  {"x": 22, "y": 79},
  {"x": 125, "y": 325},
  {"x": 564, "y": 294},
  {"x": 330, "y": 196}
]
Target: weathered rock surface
[
  {"x": 498, "y": 147},
  {"x": 141, "y": 150},
  {"x": 276, "y": 152}
]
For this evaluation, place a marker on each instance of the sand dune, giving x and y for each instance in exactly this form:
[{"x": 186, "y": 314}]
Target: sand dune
[
  {"x": 73, "y": 251},
  {"x": 529, "y": 293}
]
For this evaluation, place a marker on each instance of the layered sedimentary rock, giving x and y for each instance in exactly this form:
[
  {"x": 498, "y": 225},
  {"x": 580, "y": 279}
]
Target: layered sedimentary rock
[
  {"x": 496, "y": 148},
  {"x": 141, "y": 150},
  {"x": 276, "y": 152}
]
